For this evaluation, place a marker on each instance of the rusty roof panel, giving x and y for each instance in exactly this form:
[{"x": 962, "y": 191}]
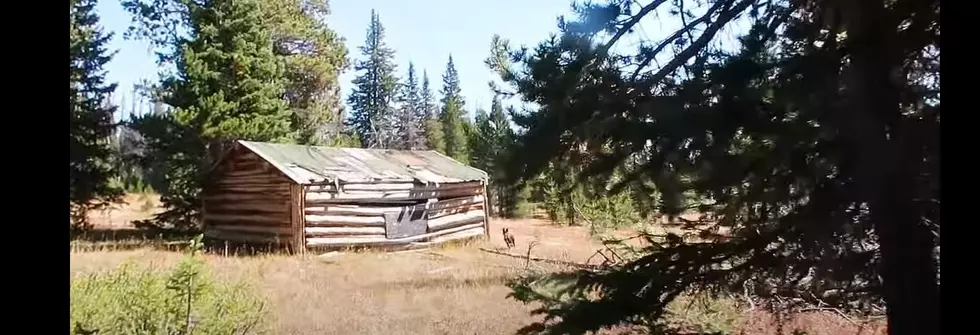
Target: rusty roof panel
[{"x": 309, "y": 164}]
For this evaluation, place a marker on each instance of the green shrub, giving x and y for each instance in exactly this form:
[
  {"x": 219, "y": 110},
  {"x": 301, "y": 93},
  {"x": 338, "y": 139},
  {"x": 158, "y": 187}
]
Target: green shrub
[{"x": 183, "y": 300}]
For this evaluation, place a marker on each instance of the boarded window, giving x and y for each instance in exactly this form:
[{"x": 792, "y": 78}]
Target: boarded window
[{"x": 410, "y": 221}]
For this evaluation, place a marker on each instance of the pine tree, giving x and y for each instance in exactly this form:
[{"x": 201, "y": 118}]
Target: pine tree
[
  {"x": 453, "y": 123},
  {"x": 479, "y": 141},
  {"x": 410, "y": 116},
  {"x": 313, "y": 56},
  {"x": 228, "y": 86},
  {"x": 372, "y": 98},
  {"x": 818, "y": 149},
  {"x": 90, "y": 125},
  {"x": 434, "y": 136},
  {"x": 490, "y": 140}
]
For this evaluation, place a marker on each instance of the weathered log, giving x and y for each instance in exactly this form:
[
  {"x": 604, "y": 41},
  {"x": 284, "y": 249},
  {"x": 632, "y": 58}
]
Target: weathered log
[
  {"x": 435, "y": 214},
  {"x": 463, "y": 222},
  {"x": 353, "y": 210},
  {"x": 269, "y": 219},
  {"x": 242, "y": 196},
  {"x": 391, "y": 187},
  {"x": 271, "y": 189},
  {"x": 250, "y": 181},
  {"x": 250, "y": 166},
  {"x": 449, "y": 220},
  {"x": 267, "y": 206},
  {"x": 335, "y": 242},
  {"x": 271, "y": 230},
  {"x": 320, "y": 231},
  {"x": 345, "y": 220},
  {"x": 297, "y": 218},
  {"x": 461, "y": 191},
  {"x": 436, "y": 209},
  {"x": 328, "y": 197},
  {"x": 465, "y": 200}
]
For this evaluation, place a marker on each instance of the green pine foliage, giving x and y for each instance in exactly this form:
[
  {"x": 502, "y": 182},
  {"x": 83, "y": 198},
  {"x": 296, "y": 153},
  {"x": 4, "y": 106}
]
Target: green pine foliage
[
  {"x": 373, "y": 98},
  {"x": 491, "y": 140},
  {"x": 228, "y": 85},
  {"x": 452, "y": 115},
  {"x": 313, "y": 57},
  {"x": 410, "y": 115},
  {"x": 814, "y": 143},
  {"x": 90, "y": 126},
  {"x": 435, "y": 139}
]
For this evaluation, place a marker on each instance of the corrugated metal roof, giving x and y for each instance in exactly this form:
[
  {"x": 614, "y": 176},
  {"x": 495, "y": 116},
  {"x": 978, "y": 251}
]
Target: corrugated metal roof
[{"x": 307, "y": 164}]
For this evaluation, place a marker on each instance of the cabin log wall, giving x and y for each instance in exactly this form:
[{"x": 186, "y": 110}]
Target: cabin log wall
[
  {"x": 248, "y": 200},
  {"x": 354, "y": 216}
]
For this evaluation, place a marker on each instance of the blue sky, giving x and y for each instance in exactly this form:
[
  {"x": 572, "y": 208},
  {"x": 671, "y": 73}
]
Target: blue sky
[{"x": 425, "y": 32}]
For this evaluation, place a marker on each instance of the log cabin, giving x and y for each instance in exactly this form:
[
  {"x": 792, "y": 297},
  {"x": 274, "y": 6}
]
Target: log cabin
[{"x": 313, "y": 197}]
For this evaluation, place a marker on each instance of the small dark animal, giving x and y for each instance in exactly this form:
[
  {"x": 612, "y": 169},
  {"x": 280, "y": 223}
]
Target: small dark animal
[{"x": 509, "y": 238}]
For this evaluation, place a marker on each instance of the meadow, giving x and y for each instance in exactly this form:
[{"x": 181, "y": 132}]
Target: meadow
[{"x": 454, "y": 289}]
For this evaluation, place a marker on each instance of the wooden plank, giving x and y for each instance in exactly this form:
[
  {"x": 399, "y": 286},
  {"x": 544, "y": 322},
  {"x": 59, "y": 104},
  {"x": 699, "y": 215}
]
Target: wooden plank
[
  {"x": 260, "y": 207},
  {"x": 347, "y": 241},
  {"x": 487, "y": 210},
  {"x": 456, "y": 202},
  {"x": 280, "y": 220},
  {"x": 439, "y": 223},
  {"x": 244, "y": 197},
  {"x": 297, "y": 218},
  {"x": 353, "y": 210},
  {"x": 274, "y": 190},
  {"x": 328, "y": 197},
  {"x": 435, "y": 214},
  {"x": 436, "y": 209},
  {"x": 345, "y": 220},
  {"x": 320, "y": 231},
  {"x": 457, "y": 223},
  {"x": 271, "y": 230}
]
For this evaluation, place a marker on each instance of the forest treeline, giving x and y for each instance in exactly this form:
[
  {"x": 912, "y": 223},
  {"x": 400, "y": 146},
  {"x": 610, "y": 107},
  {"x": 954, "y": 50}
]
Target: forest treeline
[
  {"x": 278, "y": 82},
  {"x": 813, "y": 138}
]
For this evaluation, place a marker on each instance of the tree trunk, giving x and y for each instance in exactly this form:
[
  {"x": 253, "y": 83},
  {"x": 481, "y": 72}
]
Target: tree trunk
[
  {"x": 885, "y": 173},
  {"x": 911, "y": 288}
]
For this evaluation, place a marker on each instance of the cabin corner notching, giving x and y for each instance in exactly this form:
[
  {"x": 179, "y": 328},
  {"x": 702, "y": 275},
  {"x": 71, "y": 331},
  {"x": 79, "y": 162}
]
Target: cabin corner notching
[{"x": 322, "y": 197}]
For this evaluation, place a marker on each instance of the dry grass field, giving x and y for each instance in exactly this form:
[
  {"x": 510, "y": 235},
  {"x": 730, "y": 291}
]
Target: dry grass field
[{"x": 452, "y": 290}]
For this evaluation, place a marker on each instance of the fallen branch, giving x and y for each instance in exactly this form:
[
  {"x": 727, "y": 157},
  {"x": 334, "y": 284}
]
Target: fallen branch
[{"x": 543, "y": 260}]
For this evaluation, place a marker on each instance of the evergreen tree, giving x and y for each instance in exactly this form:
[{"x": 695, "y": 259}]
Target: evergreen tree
[
  {"x": 490, "y": 140},
  {"x": 313, "y": 56},
  {"x": 452, "y": 116},
  {"x": 411, "y": 117},
  {"x": 90, "y": 125},
  {"x": 816, "y": 139},
  {"x": 479, "y": 141},
  {"x": 228, "y": 86},
  {"x": 372, "y": 100},
  {"x": 434, "y": 137}
]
